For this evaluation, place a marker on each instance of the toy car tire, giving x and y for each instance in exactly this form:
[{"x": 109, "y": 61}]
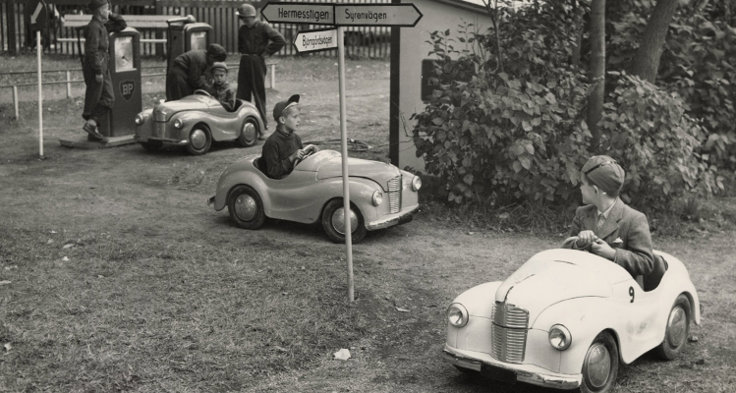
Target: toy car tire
[
  {"x": 200, "y": 140},
  {"x": 331, "y": 222},
  {"x": 246, "y": 207},
  {"x": 600, "y": 366},
  {"x": 152, "y": 146},
  {"x": 248, "y": 133},
  {"x": 677, "y": 330}
]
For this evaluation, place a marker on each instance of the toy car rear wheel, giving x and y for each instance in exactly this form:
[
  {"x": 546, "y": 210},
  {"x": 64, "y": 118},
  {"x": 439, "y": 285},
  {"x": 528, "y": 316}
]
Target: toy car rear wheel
[
  {"x": 677, "y": 330},
  {"x": 200, "y": 140},
  {"x": 246, "y": 207},
  {"x": 600, "y": 366},
  {"x": 152, "y": 146},
  {"x": 248, "y": 133},
  {"x": 333, "y": 222}
]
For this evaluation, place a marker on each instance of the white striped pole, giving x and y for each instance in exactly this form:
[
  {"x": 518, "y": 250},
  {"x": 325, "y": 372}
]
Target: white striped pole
[{"x": 40, "y": 94}]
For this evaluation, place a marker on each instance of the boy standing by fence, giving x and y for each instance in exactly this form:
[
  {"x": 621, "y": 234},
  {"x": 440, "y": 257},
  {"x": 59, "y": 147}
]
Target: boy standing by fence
[
  {"x": 98, "y": 97},
  {"x": 256, "y": 40}
]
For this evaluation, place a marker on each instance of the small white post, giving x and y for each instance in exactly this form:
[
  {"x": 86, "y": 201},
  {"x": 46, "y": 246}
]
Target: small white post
[
  {"x": 15, "y": 101},
  {"x": 40, "y": 94},
  {"x": 273, "y": 75},
  {"x": 68, "y": 84}
]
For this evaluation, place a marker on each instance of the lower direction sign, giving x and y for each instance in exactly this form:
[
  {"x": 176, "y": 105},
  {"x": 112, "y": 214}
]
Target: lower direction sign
[{"x": 316, "y": 40}]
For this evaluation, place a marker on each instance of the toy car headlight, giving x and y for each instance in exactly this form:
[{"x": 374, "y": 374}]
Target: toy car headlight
[
  {"x": 457, "y": 315},
  {"x": 138, "y": 119},
  {"x": 416, "y": 183},
  {"x": 559, "y": 337},
  {"x": 178, "y": 123},
  {"x": 377, "y": 198}
]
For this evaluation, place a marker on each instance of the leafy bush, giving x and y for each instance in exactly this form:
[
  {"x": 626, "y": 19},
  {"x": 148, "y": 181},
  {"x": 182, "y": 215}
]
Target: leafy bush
[
  {"x": 505, "y": 122},
  {"x": 502, "y": 137},
  {"x": 658, "y": 144}
]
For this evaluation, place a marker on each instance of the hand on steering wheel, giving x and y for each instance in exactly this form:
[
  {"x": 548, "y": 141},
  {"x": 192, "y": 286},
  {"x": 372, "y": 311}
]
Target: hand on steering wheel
[
  {"x": 203, "y": 92},
  {"x": 305, "y": 152}
]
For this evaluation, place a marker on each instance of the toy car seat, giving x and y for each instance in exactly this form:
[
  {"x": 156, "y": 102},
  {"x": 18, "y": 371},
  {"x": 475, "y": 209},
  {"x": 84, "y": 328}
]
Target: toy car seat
[
  {"x": 258, "y": 163},
  {"x": 652, "y": 280}
]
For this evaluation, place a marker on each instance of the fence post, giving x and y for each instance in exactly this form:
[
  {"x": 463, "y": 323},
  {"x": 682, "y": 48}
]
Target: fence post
[
  {"x": 68, "y": 84},
  {"x": 273, "y": 75},
  {"x": 12, "y": 31},
  {"x": 15, "y": 100}
]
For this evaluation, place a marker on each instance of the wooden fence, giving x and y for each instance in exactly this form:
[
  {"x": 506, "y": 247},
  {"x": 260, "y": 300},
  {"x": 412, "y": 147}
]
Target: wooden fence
[{"x": 361, "y": 42}]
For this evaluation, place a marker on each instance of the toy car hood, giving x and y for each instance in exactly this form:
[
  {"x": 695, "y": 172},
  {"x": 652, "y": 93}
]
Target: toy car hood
[
  {"x": 552, "y": 276},
  {"x": 188, "y": 103},
  {"x": 328, "y": 164}
]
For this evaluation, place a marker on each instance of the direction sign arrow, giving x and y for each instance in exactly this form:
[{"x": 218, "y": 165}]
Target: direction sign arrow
[
  {"x": 315, "y": 40},
  {"x": 376, "y": 15},
  {"x": 310, "y": 13}
]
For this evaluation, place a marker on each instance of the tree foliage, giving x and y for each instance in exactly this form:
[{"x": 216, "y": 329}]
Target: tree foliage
[{"x": 519, "y": 135}]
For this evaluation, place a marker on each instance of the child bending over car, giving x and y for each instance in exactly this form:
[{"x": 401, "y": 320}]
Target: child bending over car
[
  {"x": 219, "y": 87},
  {"x": 283, "y": 149},
  {"x": 606, "y": 226}
]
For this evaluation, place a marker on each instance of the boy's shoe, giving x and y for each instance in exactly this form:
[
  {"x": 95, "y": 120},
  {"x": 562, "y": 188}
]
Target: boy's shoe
[{"x": 93, "y": 132}]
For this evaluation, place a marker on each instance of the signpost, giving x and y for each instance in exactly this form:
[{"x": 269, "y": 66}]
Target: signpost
[
  {"x": 315, "y": 40},
  {"x": 309, "y": 41}
]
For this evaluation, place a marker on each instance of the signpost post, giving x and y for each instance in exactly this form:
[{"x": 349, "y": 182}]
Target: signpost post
[{"x": 339, "y": 15}]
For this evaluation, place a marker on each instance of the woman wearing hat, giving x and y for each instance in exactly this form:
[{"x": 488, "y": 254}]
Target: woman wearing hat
[
  {"x": 256, "y": 40},
  {"x": 98, "y": 97},
  {"x": 606, "y": 226}
]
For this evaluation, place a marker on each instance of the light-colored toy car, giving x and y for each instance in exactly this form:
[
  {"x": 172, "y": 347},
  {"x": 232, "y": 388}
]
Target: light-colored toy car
[
  {"x": 196, "y": 121},
  {"x": 566, "y": 319},
  {"x": 381, "y": 194}
]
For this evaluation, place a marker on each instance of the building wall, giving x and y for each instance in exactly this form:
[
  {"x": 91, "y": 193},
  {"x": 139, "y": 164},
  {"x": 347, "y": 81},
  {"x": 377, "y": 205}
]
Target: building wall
[{"x": 437, "y": 15}]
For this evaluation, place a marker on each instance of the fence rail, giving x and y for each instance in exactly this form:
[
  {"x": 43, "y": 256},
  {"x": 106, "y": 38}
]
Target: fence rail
[{"x": 362, "y": 42}]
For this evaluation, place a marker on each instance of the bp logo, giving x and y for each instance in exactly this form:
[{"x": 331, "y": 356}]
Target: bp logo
[{"x": 126, "y": 89}]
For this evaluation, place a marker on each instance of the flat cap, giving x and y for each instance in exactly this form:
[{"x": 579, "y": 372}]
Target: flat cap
[
  {"x": 217, "y": 52},
  {"x": 280, "y": 106},
  {"x": 604, "y": 172}
]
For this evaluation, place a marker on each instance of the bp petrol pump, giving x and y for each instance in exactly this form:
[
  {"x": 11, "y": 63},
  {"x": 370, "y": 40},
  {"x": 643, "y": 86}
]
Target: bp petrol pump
[
  {"x": 185, "y": 34},
  {"x": 125, "y": 72}
]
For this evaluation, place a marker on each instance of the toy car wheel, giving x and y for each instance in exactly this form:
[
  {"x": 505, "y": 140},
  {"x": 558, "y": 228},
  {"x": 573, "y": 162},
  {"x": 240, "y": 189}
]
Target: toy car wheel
[
  {"x": 677, "y": 330},
  {"x": 248, "y": 133},
  {"x": 152, "y": 146},
  {"x": 333, "y": 222},
  {"x": 200, "y": 140},
  {"x": 600, "y": 366},
  {"x": 245, "y": 207}
]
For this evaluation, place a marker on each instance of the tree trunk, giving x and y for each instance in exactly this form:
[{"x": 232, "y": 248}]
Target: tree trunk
[
  {"x": 646, "y": 60},
  {"x": 597, "y": 67}
]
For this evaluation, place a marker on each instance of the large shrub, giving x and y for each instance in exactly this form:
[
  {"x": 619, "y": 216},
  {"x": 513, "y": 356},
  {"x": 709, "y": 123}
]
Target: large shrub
[
  {"x": 508, "y": 136},
  {"x": 505, "y": 122},
  {"x": 650, "y": 134}
]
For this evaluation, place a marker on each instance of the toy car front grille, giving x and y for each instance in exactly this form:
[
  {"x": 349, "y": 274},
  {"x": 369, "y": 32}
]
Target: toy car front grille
[
  {"x": 159, "y": 116},
  {"x": 509, "y": 332},
  {"x": 394, "y": 194},
  {"x": 159, "y": 130}
]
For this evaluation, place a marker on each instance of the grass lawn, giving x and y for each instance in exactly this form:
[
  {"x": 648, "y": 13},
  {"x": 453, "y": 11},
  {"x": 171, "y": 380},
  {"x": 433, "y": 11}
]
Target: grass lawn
[{"x": 115, "y": 276}]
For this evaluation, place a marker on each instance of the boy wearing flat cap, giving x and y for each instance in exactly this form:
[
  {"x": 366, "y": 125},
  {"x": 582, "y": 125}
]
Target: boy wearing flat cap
[
  {"x": 219, "y": 86},
  {"x": 283, "y": 149},
  {"x": 188, "y": 71},
  {"x": 98, "y": 96},
  {"x": 256, "y": 40},
  {"x": 606, "y": 226}
]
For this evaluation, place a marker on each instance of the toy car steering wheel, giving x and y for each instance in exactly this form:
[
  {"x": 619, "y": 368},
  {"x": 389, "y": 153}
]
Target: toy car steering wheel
[
  {"x": 308, "y": 151},
  {"x": 203, "y": 92}
]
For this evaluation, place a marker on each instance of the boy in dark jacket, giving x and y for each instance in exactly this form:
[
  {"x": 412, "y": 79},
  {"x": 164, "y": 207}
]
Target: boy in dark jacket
[
  {"x": 283, "y": 148},
  {"x": 608, "y": 227},
  {"x": 219, "y": 86},
  {"x": 188, "y": 71},
  {"x": 98, "y": 97}
]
